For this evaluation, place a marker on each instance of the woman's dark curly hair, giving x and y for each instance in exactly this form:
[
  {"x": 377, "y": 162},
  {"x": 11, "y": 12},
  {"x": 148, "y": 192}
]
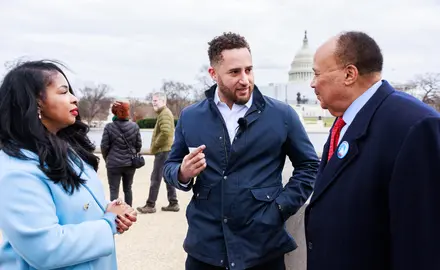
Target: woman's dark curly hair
[{"x": 21, "y": 128}]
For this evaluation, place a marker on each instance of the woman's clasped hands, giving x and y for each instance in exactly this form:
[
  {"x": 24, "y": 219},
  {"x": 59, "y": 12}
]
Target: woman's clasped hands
[{"x": 125, "y": 214}]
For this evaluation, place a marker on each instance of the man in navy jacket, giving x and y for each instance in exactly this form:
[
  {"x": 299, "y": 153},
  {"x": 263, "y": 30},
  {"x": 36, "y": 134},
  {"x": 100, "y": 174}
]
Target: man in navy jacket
[
  {"x": 230, "y": 150},
  {"x": 376, "y": 200}
]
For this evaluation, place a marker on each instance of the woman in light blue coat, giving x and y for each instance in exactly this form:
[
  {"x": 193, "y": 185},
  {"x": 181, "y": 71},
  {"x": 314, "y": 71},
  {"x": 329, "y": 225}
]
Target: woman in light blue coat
[{"x": 53, "y": 213}]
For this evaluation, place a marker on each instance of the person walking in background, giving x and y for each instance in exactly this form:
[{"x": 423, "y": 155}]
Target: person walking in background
[
  {"x": 54, "y": 214},
  {"x": 376, "y": 199},
  {"x": 117, "y": 154},
  {"x": 161, "y": 142}
]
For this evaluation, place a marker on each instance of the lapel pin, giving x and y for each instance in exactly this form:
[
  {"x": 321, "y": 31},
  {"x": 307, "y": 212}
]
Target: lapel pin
[
  {"x": 86, "y": 206},
  {"x": 343, "y": 149}
]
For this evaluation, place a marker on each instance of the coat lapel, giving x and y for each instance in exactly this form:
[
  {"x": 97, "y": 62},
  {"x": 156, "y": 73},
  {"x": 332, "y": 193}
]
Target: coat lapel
[
  {"x": 90, "y": 183},
  {"x": 324, "y": 154},
  {"x": 331, "y": 170}
]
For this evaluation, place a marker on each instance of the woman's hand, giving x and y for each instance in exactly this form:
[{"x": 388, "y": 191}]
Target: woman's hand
[{"x": 126, "y": 215}]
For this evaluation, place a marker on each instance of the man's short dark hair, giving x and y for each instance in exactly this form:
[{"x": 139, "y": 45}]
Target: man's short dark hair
[
  {"x": 360, "y": 50},
  {"x": 227, "y": 41}
]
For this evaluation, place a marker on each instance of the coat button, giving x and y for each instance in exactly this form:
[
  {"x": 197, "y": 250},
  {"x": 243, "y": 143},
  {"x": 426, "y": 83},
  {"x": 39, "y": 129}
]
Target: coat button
[
  {"x": 310, "y": 245},
  {"x": 225, "y": 220},
  {"x": 225, "y": 177},
  {"x": 268, "y": 196},
  {"x": 232, "y": 264}
]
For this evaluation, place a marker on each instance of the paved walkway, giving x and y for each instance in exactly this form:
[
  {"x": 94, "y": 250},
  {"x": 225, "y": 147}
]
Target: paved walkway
[{"x": 155, "y": 241}]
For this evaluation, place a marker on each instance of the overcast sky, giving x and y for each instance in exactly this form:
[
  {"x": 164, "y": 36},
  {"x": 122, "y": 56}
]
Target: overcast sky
[{"x": 134, "y": 45}]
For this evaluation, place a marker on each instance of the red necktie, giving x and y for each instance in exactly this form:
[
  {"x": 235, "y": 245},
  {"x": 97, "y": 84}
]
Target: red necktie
[{"x": 336, "y": 131}]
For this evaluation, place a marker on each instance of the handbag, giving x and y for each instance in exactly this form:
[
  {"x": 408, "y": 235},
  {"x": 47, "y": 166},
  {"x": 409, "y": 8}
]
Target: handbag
[{"x": 137, "y": 160}]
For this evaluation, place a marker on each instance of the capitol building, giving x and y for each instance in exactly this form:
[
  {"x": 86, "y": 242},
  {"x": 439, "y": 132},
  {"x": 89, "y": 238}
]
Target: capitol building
[{"x": 297, "y": 88}]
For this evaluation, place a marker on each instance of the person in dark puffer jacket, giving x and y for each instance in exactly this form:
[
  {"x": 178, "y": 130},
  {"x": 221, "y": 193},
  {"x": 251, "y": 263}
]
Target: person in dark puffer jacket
[{"x": 115, "y": 152}]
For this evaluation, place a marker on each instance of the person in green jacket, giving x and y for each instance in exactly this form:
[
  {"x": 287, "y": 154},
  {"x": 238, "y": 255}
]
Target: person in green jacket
[{"x": 161, "y": 142}]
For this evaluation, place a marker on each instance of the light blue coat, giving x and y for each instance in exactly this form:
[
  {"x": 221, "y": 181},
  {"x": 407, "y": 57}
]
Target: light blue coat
[{"x": 46, "y": 228}]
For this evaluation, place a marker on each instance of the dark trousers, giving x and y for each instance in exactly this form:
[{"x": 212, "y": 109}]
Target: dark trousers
[
  {"x": 156, "y": 179},
  {"x": 275, "y": 264},
  {"x": 114, "y": 179}
]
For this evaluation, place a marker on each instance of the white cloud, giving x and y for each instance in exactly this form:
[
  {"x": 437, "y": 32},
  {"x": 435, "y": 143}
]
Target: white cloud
[{"x": 134, "y": 45}]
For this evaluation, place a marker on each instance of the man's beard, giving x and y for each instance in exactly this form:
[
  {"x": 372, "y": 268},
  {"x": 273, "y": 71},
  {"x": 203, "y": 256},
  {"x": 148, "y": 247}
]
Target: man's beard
[{"x": 229, "y": 94}]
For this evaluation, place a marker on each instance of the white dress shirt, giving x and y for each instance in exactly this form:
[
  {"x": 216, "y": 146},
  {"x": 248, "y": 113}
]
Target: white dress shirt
[
  {"x": 231, "y": 115},
  {"x": 356, "y": 106}
]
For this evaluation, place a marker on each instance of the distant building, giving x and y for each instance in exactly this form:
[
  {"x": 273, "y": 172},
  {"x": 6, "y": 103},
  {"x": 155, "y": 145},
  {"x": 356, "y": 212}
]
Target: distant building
[{"x": 300, "y": 76}]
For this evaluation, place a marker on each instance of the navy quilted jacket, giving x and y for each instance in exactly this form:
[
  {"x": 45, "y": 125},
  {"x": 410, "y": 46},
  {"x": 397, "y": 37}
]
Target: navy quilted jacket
[{"x": 236, "y": 217}]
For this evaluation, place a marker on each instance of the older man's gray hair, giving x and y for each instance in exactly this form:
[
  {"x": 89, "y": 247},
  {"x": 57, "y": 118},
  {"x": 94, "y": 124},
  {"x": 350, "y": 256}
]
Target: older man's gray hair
[{"x": 160, "y": 95}]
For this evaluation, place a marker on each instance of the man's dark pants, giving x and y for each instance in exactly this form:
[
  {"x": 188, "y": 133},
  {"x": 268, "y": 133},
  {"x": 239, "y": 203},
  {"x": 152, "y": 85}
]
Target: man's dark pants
[
  {"x": 275, "y": 264},
  {"x": 156, "y": 179}
]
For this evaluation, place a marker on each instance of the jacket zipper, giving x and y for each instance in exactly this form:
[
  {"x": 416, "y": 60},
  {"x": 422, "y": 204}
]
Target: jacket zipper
[{"x": 224, "y": 147}]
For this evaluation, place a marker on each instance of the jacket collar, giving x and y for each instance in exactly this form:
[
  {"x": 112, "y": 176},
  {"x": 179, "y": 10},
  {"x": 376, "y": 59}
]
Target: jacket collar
[{"x": 160, "y": 110}]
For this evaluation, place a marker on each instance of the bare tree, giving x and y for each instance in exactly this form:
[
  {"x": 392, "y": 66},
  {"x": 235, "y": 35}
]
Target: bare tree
[
  {"x": 134, "y": 104},
  {"x": 94, "y": 103},
  {"x": 436, "y": 103},
  {"x": 204, "y": 78},
  {"x": 204, "y": 82},
  {"x": 178, "y": 95},
  {"x": 139, "y": 109},
  {"x": 429, "y": 84},
  {"x": 408, "y": 87},
  {"x": 104, "y": 112},
  {"x": 149, "y": 97}
]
